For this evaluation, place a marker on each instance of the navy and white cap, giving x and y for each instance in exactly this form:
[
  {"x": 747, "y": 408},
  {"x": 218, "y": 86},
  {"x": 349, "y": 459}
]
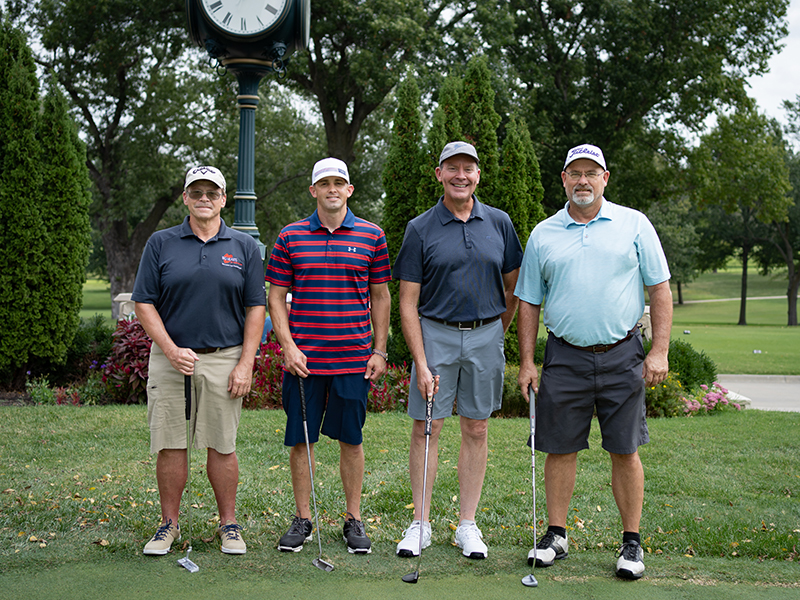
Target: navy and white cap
[
  {"x": 454, "y": 148},
  {"x": 586, "y": 151},
  {"x": 208, "y": 173},
  {"x": 329, "y": 167}
]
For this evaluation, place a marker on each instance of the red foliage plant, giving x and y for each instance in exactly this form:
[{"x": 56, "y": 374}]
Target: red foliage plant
[
  {"x": 267, "y": 377},
  {"x": 125, "y": 369}
]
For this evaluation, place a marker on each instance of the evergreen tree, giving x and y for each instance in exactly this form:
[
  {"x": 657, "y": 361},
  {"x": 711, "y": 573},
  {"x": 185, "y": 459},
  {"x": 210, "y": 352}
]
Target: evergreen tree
[
  {"x": 21, "y": 241},
  {"x": 400, "y": 177},
  {"x": 445, "y": 128},
  {"x": 65, "y": 219},
  {"x": 479, "y": 121}
]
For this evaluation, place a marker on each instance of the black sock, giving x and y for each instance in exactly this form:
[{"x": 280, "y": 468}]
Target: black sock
[
  {"x": 630, "y": 536},
  {"x": 558, "y": 530}
]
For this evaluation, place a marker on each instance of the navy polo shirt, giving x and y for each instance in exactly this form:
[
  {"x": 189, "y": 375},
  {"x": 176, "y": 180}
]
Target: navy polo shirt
[
  {"x": 459, "y": 265},
  {"x": 201, "y": 289}
]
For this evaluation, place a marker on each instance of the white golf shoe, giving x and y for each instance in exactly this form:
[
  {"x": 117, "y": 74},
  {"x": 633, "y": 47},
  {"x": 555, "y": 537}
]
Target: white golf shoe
[
  {"x": 470, "y": 539},
  {"x": 630, "y": 564},
  {"x": 409, "y": 545},
  {"x": 550, "y": 548}
]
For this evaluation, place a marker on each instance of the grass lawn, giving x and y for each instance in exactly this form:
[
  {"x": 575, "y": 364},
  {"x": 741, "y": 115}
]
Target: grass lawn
[
  {"x": 721, "y": 517},
  {"x": 96, "y": 299}
]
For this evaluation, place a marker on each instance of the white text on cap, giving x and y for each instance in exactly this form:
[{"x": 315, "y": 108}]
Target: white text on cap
[{"x": 586, "y": 151}]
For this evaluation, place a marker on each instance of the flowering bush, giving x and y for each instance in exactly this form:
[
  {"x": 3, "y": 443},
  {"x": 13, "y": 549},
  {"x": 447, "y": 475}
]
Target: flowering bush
[
  {"x": 125, "y": 371},
  {"x": 40, "y": 392},
  {"x": 708, "y": 401},
  {"x": 267, "y": 377},
  {"x": 666, "y": 398},
  {"x": 391, "y": 391}
]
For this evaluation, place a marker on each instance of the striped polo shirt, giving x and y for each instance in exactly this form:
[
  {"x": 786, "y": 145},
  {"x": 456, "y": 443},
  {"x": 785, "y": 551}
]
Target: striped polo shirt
[{"x": 329, "y": 275}]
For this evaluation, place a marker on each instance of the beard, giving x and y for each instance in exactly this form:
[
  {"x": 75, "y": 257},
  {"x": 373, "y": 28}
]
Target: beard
[{"x": 583, "y": 200}]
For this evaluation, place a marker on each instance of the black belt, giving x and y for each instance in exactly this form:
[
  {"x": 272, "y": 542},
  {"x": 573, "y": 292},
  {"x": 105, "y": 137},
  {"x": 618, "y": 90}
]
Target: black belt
[
  {"x": 206, "y": 350},
  {"x": 599, "y": 348},
  {"x": 465, "y": 325}
]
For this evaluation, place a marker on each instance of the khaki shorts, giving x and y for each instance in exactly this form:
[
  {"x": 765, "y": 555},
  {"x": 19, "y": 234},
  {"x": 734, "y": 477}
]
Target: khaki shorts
[{"x": 214, "y": 418}]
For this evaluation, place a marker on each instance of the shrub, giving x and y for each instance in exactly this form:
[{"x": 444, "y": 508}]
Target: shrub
[
  {"x": 707, "y": 401},
  {"x": 666, "y": 398},
  {"x": 691, "y": 367},
  {"x": 39, "y": 390},
  {"x": 391, "y": 391},
  {"x": 125, "y": 370},
  {"x": 267, "y": 377},
  {"x": 514, "y": 404}
]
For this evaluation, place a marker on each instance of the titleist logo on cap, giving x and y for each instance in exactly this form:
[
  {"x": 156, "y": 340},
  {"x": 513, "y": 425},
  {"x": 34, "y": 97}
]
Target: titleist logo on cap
[{"x": 586, "y": 151}]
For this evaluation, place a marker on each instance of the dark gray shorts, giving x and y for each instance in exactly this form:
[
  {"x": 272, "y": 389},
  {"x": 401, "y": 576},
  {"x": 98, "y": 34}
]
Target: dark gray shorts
[{"x": 576, "y": 382}]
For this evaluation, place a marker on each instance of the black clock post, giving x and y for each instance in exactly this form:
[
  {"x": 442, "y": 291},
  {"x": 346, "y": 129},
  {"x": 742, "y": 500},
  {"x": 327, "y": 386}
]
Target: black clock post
[{"x": 250, "y": 38}]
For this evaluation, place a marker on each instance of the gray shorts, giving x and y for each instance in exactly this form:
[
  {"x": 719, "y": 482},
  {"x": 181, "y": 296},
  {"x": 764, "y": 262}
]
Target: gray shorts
[
  {"x": 575, "y": 383},
  {"x": 470, "y": 365}
]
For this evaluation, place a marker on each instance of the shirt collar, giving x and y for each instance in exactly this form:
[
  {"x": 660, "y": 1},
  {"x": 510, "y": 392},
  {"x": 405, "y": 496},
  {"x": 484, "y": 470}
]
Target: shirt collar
[
  {"x": 349, "y": 221},
  {"x": 223, "y": 233},
  {"x": 445, "y": 216},
  {"x": 605, "y": 213}
]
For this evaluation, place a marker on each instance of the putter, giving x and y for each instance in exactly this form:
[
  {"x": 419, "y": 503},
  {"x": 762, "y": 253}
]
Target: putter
[
  {"x": 414, "y": 577},
  {"x": 317, "y": 562},
  {"x": 186, "y": 562},
  {"x": 530, "y": 580}
]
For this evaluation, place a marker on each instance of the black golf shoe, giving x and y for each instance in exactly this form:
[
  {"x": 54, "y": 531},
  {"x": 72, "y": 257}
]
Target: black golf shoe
[
  {"x": 356, "y": 536},
  {"x": 298, "y": 534}
]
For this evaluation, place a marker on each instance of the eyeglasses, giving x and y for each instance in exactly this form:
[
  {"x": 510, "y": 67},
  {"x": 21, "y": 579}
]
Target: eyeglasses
[
  {"x": 197, "y": 194},
  {"x": 590, "y": 175}
]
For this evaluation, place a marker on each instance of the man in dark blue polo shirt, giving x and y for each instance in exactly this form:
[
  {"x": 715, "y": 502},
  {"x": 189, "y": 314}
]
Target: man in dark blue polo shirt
[
  {"x": 200, "y": 296},
  {"x": 457, "y": 269}
]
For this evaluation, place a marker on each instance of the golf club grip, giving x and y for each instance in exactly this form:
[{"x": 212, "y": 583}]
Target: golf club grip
[
  {"x": 532, "y": 402},
  {"x": 187, "y": 393},
  {"x": 302, "y": 396},
  {"x": 428, "y": 415}
]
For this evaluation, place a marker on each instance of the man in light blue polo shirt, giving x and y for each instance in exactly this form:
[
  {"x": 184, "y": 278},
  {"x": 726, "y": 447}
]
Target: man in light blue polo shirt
[{"x": 588, "y": 265}]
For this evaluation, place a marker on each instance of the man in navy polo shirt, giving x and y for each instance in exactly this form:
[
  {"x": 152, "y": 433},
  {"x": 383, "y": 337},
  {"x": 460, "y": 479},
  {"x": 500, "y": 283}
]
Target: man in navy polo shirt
[
  {"x": 200, "y": 296},
  {"x": 457, "y": 269},
  {"x": 588, "y": 265},
  {"x": 337, "y": 268}
]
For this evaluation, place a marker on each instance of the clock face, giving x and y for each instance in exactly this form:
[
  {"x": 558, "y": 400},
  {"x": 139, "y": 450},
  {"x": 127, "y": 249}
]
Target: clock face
[{"x": 245, "y": 17}]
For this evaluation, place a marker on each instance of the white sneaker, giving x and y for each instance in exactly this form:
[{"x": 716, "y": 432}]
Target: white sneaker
[
  {"x": 469, "y": 539},
  {"x": 630, "y": 564},
  {"x": 409, "y": 545},
  {"x": 549, "y": 548}
]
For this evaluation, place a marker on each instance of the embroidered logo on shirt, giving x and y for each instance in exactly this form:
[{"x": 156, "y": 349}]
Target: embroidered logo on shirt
[{"x": 229, "y": 260}]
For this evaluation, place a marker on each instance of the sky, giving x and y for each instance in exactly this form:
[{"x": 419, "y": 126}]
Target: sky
[{"x": 783, "y": 80}]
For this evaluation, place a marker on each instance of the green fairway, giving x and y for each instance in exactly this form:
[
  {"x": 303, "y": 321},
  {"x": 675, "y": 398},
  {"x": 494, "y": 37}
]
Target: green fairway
[
  {"x": 79, "y": 501},
  {"x": 96, "y": 299}
]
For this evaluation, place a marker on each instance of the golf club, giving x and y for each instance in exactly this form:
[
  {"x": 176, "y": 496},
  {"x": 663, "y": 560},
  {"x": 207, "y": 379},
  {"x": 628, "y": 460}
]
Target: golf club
[
  {"x": 317, "y": 562},
  {"x": 530, "y": 580},
  {"x": 186, "y": 562},
  {"x": 414, "y": 577}
]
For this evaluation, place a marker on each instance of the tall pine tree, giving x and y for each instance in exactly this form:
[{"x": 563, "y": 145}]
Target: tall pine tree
[{"x": 400, "y": 179}]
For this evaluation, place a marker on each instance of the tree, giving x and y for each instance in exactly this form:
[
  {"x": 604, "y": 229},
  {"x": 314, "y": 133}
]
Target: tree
[
  {"x": 43, "y": 205},
  {"x": 680, "y": 240},
  {"x": 740, "y": 168},
  {"x": 634, "y": 77},
  {"x": 401, "y": 173}
]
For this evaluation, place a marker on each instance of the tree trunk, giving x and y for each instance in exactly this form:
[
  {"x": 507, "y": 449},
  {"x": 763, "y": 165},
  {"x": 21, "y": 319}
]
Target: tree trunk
[
  {"x": 680, "y": 292},
  {"x": 743, "y": 304}
]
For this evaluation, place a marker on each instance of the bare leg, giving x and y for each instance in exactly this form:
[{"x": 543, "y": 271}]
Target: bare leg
[
  {"x": 171, "y": 478},
  {"x": 559, "y": 483},
  {"x": 223, "y": 473},
  {"x": 472, "y": 460},
  {"x": 416, "y": 463},
  {"x": 351, "y": 469},
  {"x": 627, "y": 483},
  {"x": 301, "y": 479}
]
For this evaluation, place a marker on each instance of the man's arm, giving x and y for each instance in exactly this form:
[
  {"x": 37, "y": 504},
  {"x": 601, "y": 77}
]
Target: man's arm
[
  {"x": 181, "y": 359},
  {"x": 656, "y": 363},
  {"x": 527, "y": 331},
  {"x": 381, "y": 305},
  {"x": 293, "y": 359},
  {"x": 412, "y": 331},
  {"x": 509, "y": 283},
  {"x": 241, "y": 378}
]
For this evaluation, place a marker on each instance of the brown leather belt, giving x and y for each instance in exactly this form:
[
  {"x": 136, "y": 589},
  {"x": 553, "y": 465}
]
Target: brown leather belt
[
  {"x": 465, "y": 325},
  {"x": 206, "y": 350},
  {"x": 599, "y": 348}
]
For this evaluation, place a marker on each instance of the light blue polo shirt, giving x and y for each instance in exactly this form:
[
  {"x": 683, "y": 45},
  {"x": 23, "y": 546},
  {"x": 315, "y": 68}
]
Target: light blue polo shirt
[{"x": 592, "y": 274}]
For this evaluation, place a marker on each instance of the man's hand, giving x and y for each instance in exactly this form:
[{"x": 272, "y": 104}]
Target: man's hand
[
  {"x": 528, "y": 377},
  {"x": 182, "y": 360},
  {"x": 655, "y": 368},
  {"x": 376, "y": 367},
  {"x": 295, "y": 362},
  {"x": 240, "y": 380},
  {"x": 427, "y": 383}
]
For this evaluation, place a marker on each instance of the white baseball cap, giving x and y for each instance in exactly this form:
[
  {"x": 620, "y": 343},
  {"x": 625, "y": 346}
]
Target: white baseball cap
[
  {"x": 454, "y": 148},
  {"x": 586, "y": 151},
  {"x": 208, "y": 173},
  {"x": 328, "y": 167}
]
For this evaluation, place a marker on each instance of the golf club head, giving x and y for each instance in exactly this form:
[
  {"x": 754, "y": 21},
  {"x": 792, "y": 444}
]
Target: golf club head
[
  {"x": 322, "y": 565},
  {"x": 530, "y": 581},
  {"x": 187, "y": 564},
  {"x": 411, "y": 577}
]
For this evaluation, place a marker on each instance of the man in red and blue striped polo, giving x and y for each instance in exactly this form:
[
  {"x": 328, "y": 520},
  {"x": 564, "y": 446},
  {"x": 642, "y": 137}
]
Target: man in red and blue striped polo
[{"x": 333, "y": 340}]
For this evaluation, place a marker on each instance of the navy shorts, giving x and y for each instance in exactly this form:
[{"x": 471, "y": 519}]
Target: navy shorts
[
  {"x": 340, "y": 399},
  {"x": 576, "y": 382}
]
